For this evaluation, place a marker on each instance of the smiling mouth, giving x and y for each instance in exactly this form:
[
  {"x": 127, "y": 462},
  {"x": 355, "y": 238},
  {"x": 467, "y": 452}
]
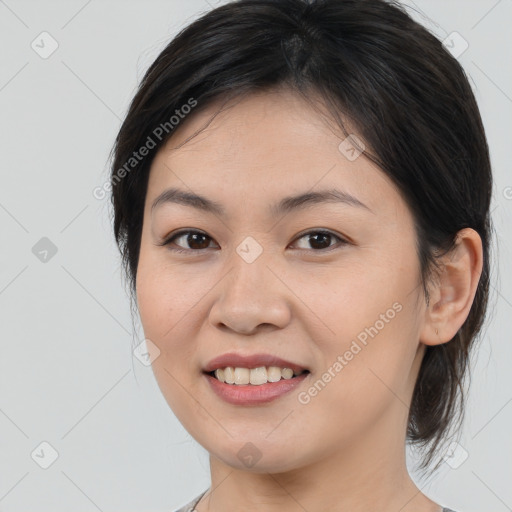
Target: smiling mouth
[{"x": 254, "y": 376}]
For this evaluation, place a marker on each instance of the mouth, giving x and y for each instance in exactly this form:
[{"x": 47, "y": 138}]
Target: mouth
[
  {"x": 240, "y": 376},
  {"x": 251, "y": 380},
  {"x": 259, "y": 392}
]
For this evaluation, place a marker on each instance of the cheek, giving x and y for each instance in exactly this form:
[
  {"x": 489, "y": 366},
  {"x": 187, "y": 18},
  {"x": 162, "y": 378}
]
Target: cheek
[
  {"x": 164, "y": 311},
  {"x": 158, "y": 304},
  {"x": 359, "y": 383},
  {"x": 165, "y": 294},
  {"x": 155, "y": 305},
  {"x": 352, "y": 296},
  {"x": 373, "y": 331},
  {"x": 172, "y": 302}
]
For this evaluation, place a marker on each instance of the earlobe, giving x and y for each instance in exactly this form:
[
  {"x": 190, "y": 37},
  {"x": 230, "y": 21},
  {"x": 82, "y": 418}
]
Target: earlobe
[{"x": 454, "y": 290}]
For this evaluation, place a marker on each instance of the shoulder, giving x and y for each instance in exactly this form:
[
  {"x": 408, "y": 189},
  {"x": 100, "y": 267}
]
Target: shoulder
[{"x": 189, "y": 507}]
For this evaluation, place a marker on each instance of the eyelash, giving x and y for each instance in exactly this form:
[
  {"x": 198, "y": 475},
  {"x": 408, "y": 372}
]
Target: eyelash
[{"x": 179, "y": 234}]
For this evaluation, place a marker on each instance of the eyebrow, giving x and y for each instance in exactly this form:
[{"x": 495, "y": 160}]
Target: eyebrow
[{"x": 286, "y": 205}]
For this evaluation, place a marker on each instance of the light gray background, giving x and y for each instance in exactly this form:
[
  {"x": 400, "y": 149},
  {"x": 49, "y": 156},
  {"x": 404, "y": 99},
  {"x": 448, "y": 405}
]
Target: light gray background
[{"x": 67, "y": 375}]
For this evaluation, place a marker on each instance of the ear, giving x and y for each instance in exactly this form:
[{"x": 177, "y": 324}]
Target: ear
[{"x": 452, "y": 295}]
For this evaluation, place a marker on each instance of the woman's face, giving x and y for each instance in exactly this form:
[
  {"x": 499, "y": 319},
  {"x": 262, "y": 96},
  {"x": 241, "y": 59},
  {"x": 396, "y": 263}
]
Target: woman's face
[{"x": 330, "y": 285}]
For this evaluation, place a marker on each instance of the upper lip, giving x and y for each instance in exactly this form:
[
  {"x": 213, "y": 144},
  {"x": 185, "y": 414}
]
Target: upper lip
[{"x": 250, "y": 361}]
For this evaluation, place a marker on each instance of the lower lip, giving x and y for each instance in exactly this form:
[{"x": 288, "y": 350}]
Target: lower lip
[{"x": 249, "y": 394}]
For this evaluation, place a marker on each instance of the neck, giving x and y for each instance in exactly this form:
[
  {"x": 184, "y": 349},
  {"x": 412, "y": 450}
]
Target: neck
[{"x": 368, "y": 474}]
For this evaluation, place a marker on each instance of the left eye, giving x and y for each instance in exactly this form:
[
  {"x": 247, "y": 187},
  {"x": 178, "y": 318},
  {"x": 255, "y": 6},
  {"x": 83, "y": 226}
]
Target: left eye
[
  {"x": 197, "y": 240},
  {"x": 321, "y": 239}
]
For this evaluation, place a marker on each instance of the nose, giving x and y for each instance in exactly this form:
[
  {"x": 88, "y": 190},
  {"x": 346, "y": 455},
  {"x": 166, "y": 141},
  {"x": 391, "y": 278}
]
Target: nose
[{"x": 251, "y": 297}]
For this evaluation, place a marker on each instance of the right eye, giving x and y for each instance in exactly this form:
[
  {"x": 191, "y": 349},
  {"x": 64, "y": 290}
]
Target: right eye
[{"x": 197, "y": 240}]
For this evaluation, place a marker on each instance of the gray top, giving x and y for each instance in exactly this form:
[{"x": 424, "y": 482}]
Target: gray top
[{"x": 190, "y": 507}]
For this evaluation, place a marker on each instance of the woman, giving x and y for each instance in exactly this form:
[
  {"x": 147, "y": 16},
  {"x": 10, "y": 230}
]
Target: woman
[{"x": 301, "y": 198}]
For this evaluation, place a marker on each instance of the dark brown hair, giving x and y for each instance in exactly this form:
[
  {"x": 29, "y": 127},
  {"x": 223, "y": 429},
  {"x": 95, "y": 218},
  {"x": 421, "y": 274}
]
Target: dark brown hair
[{"x": 408, "y": 99}]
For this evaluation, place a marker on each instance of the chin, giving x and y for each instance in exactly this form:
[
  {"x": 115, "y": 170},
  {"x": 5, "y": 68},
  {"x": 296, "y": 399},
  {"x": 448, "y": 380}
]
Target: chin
[{"x": 257, "y": 455}]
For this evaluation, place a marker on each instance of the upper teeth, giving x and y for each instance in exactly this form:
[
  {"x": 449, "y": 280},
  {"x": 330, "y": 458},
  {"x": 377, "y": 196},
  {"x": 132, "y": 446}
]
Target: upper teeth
[{"x": 256, "y": 376}]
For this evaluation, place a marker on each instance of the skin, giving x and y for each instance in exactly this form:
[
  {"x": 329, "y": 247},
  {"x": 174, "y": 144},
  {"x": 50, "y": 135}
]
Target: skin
[{"x": 345, "y": 449}]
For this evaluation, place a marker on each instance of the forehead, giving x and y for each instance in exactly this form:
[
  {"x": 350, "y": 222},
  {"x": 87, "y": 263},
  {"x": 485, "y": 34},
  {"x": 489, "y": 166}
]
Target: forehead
[{"x": 265, "y": 144}]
